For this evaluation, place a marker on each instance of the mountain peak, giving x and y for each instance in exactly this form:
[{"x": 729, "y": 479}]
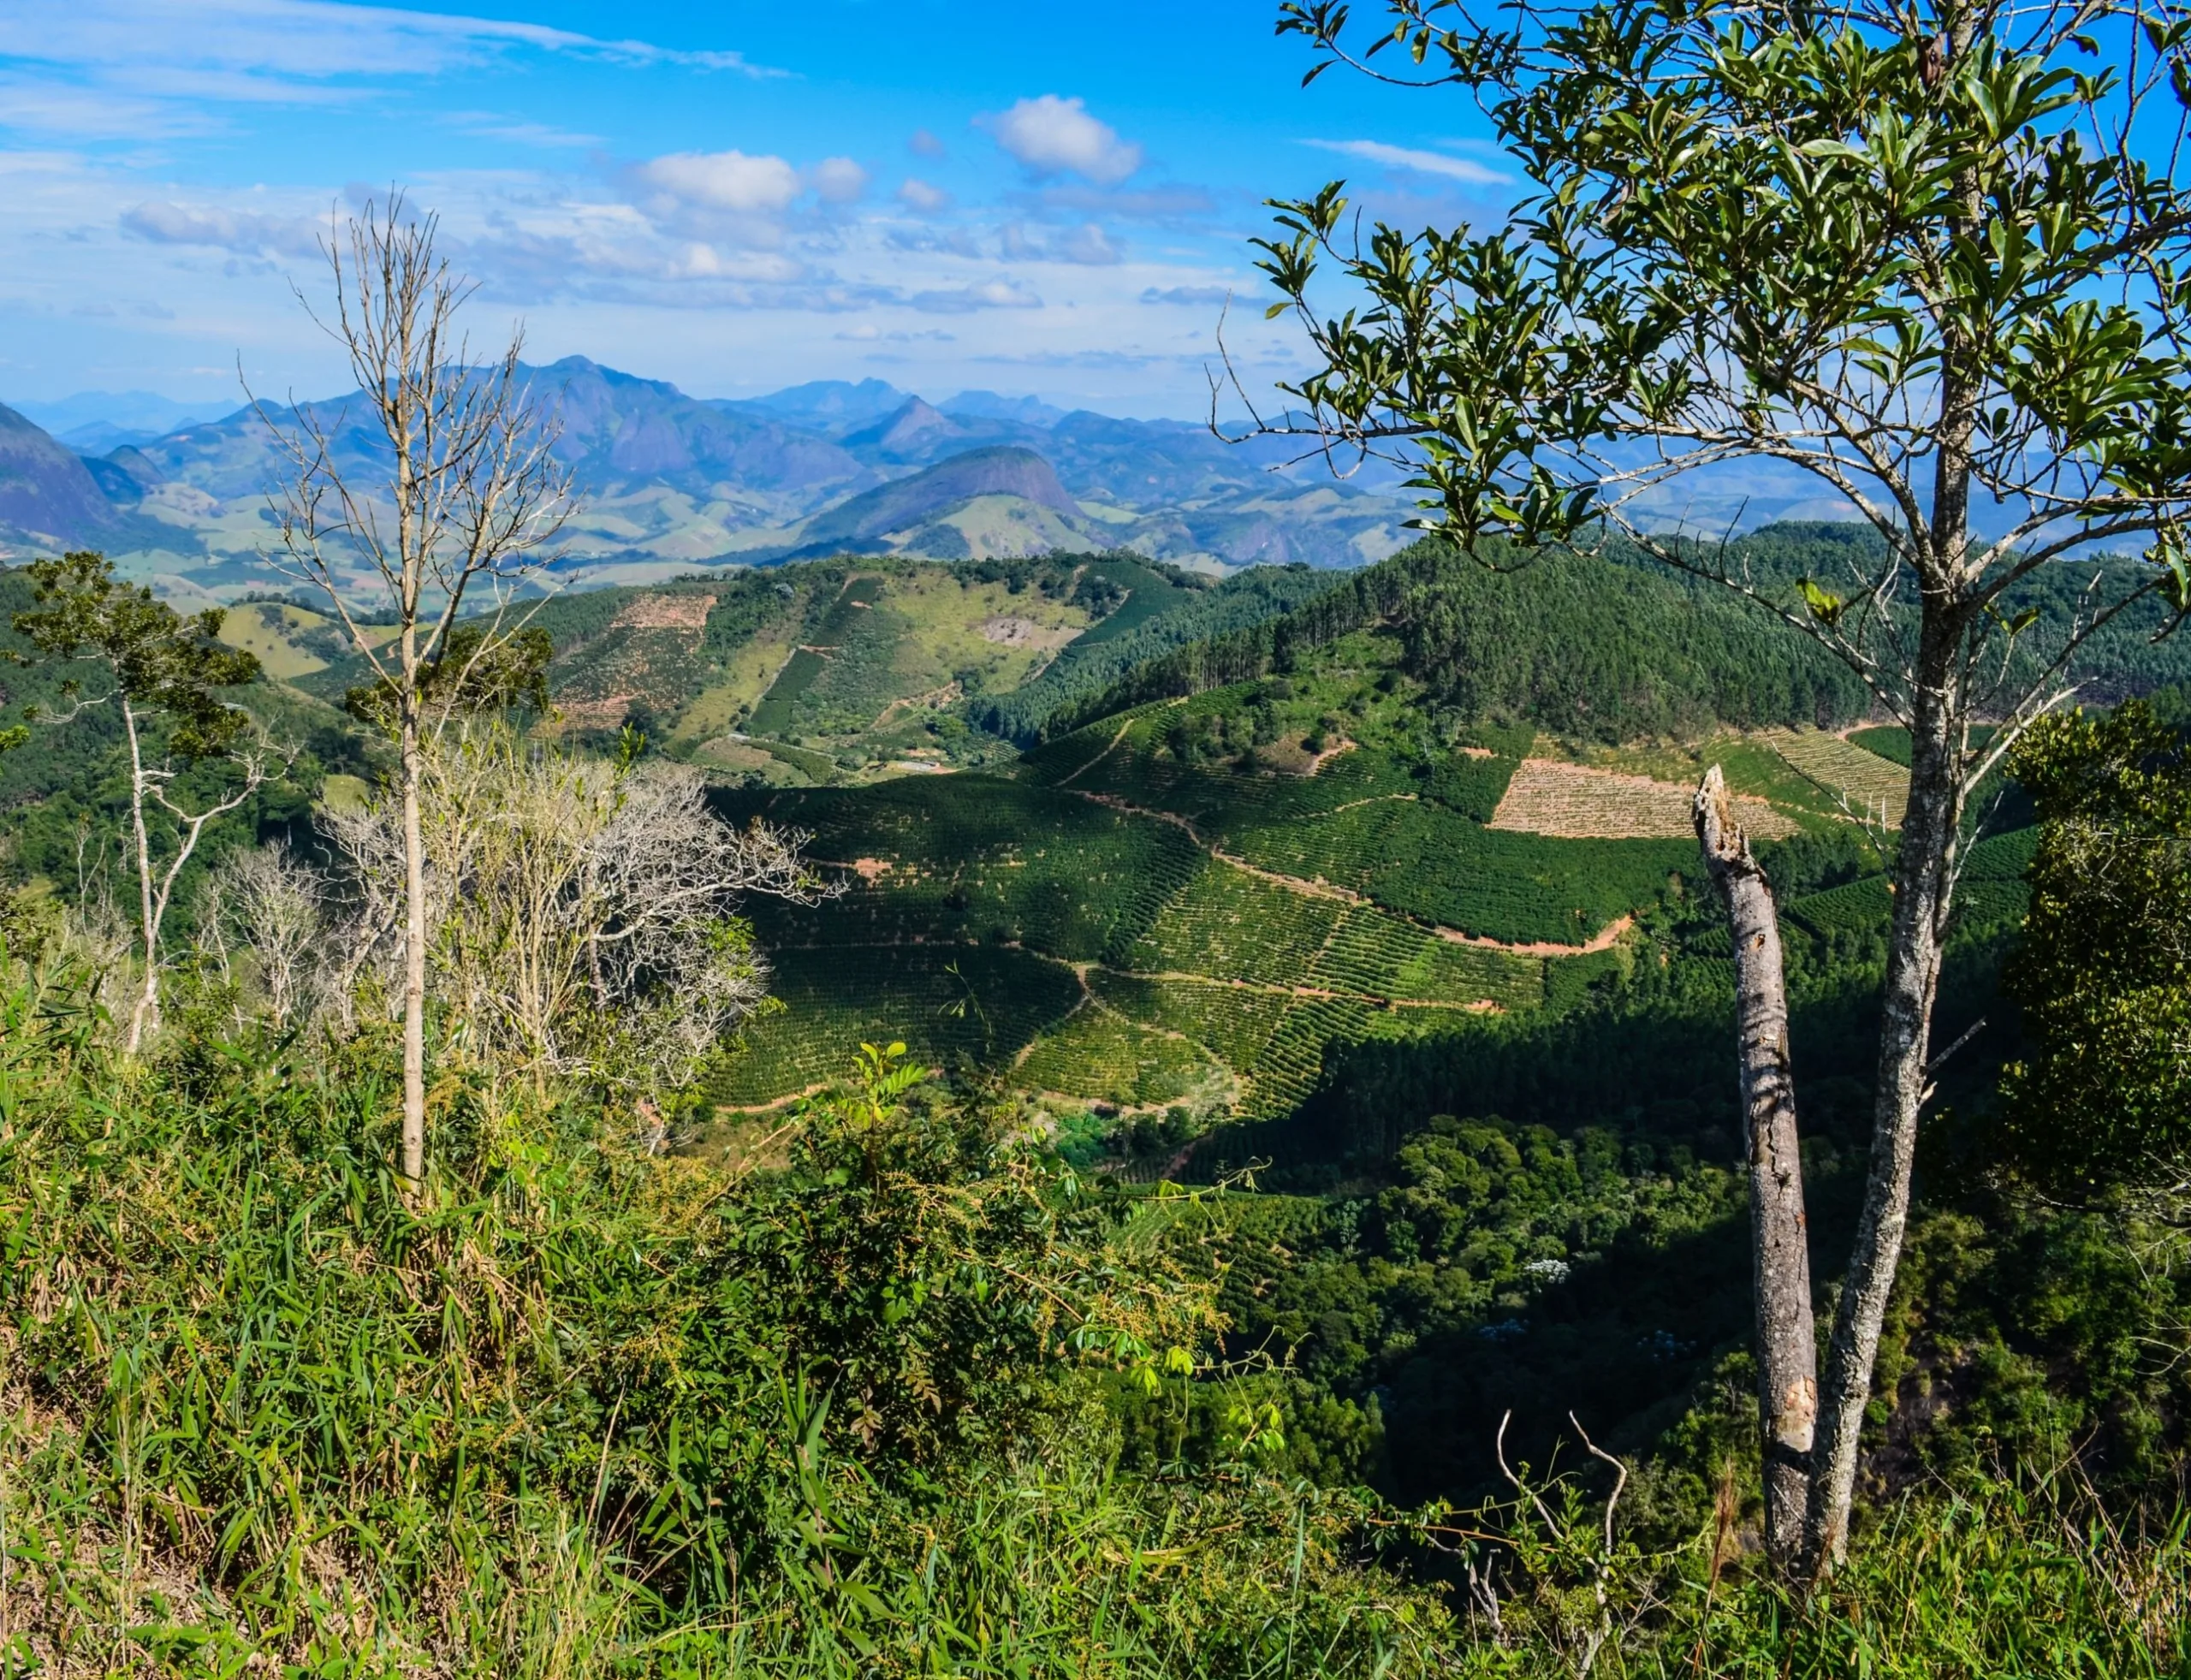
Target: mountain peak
[
  {"x": 1001, "y": 470},
  {"x": 990, "y": 405},
  {"x": 825, "y": 403},
  {"x": 909, "y": 428}
]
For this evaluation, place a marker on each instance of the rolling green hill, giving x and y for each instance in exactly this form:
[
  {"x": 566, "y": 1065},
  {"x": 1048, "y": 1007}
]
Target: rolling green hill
[{"x": 1183, "y": 914}]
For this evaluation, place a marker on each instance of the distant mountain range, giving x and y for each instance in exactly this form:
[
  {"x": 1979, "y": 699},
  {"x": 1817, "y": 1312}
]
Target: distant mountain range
[{"x": 667, "y": 483}]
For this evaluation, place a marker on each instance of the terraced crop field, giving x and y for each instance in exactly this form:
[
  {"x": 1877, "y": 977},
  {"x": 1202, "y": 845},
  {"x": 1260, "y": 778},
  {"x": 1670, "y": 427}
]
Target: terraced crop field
[
  {"x": 1226, "y": 924},
  {"x": 1424, "y": 861},
  {"x": 1577, "y": 802},
  {"x": 1229, "y": 927},
  {"x": 1135, "y": 924},
  {"x": 1990, "y": 893},
  {"x": 1097, "y": 1055},
  {"x": 947, "y": 1003},
  {"x": 1378, "y": 954},
  {"x": 973, "y": 856},
  {"x": 1873, "y": 787},
  {"x": 779, "y": 707}
]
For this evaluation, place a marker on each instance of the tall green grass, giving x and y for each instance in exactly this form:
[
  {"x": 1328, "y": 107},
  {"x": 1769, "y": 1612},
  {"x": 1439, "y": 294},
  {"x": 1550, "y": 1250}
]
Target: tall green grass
[{"x": 580, "y": 1409}]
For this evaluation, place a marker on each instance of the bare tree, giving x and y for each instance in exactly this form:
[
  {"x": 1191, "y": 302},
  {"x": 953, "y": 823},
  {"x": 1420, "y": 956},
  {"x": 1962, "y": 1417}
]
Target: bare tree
[
  {"x": 467, "y": 496},
  {"x": 271, "y": 906},
  {"x": 585, "y": 907},
  {"x": 1787, "y": 1347}
]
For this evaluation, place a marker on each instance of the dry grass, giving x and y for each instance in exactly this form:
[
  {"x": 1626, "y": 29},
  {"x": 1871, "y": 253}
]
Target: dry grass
[
  {"x": 1572, "y": 801},
  {"x": 1869, "y": 783}
]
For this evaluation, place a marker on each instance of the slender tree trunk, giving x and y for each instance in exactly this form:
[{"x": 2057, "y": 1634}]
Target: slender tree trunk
[
  {"x": 414, "y": 951},
  {"x": 1913, "y": 972},
  {"x": 1787, "y": 1346},
  {"x": 147, "y": 1011}
]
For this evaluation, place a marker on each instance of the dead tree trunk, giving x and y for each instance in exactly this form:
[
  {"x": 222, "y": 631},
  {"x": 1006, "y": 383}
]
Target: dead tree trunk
[{"x": 1787, "y": 1351}]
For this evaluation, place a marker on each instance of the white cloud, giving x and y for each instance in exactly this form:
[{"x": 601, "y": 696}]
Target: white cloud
[
  {"x": 720, "y": 181},
  {"x": 1087, "y": 245},
  {"x": 923, "y": 144},
  {"x": 243, "y": 231},
  {"x": 977, "y": 294},
  {"x": 1422, "y": 163},
  {"x": 1200, "y": 296},
  {"x": 919, "y": 195},
  {"x": 1054, "y": 136},
  {"x": 838, "y": 181}
]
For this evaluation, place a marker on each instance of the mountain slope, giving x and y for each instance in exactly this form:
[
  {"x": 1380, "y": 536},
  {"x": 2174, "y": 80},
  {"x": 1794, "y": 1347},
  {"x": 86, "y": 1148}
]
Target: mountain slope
[
  {"x": 664, "y": 481},
  {"x": 47, "y": 494},
  {"x": 927, "y": 496}
]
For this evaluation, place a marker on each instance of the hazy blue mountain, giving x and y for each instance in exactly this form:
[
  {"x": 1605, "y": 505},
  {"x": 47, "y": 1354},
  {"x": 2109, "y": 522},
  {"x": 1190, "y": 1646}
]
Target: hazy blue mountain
[
  {"x": 914, "y": 432},
  {"x": 618, "y": 433},
  {"x": 823, "y": 405},
  {"x": 665, "y": 481},
  {"x": 989, "y": 406},
  {"x": 46, "y": 490},
  {"x": 75, "y": 420}
]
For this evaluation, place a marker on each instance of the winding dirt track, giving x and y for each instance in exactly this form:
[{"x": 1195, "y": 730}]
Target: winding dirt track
[{"x": 1604, "y": 940}]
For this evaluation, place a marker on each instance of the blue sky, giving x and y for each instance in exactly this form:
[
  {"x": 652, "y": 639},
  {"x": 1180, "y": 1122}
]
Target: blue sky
[{"x": 1037, "y": 198}]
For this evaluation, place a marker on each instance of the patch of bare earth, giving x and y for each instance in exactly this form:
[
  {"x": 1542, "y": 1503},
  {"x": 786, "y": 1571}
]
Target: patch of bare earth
[
  {"x": 1575, "y": 801},
  {"x": 665, "y": 612},
  {"x": 734, "y": 755},
  {"x": 593, "y": 712},
  {"x": 1009, "y": 632},
  {"x": 1293, "y": 758}
]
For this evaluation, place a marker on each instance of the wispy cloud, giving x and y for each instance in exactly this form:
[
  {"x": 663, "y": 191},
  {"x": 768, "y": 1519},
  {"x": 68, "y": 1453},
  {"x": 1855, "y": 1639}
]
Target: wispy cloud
[
  {"x": 977, "y": 294},
  {"x": 1422, "y": 163},
  {"x": 245, "y": 233},
  {"x": 153, "y": 68},
  {"x": 1087, "y": 245},
  {"x": 1200, "y": 296},
  {"x": 541, "y": 135},
  {"x": 304, "y": 38}
]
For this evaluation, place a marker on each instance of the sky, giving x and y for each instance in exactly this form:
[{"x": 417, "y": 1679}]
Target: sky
[{"x": 1034, "y": 199}]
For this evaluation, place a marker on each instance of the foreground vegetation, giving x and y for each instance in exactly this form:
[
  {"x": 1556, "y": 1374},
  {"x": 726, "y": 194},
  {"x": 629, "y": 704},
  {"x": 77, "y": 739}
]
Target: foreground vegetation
[{"x": 586, "y": 1410}]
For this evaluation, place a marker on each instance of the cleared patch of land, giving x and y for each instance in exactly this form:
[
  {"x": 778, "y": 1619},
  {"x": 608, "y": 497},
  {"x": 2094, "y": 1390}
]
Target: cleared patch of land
[
  {"x": 1872, "y": 785},
  {"x": 1575, "y": 802}
]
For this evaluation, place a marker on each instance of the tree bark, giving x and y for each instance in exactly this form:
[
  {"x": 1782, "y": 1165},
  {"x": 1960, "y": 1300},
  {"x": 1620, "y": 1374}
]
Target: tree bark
[
  {"x": 414, "y": 951},
  {"x": 147, "y": 1011},
  {"x": 1787, "y": 1347},
  {"x": 1913, "y": 972}
]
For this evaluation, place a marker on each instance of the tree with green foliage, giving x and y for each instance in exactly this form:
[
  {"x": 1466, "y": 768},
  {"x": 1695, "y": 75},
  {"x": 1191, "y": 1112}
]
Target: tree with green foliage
[
  {"x": 166, "y": 673},
  {"x": 1934, "y": 257},
  {"x": 462, "y": 493},
  {"x": 2102, "y": 1104}
]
